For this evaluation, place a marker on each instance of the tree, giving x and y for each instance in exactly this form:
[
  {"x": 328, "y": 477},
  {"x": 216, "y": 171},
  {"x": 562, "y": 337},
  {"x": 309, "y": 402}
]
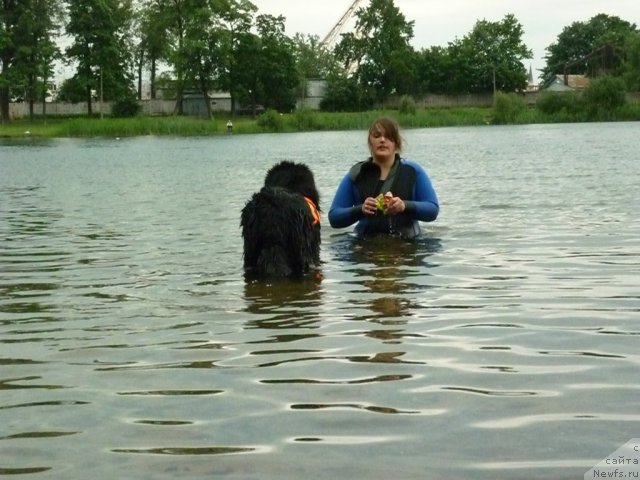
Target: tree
[
  {"x": 277, "y": 77},
  {"x": 11, "y": 14},
  {"x": 604, "y": 96},
  {"x": 72, "y": 90},
  {"x": 39, "y": 25},
  {"x": 490, "y": 58},
  {"x": 202, "y": 49},
  {"x": 152, "y": 23},
  {"x": 631, "y": 65},
  {"x": 189, "y": 31},
  {"x": 100, "y": 30},
  {"x": 345, "y": 94},
  {"x": 380, "y": 47},
  {"x": 313, "y": 60},
  {"x": 246, "y": 69},
  {"x": 27, "y": 49},
  {"x": 434, "y": 71},
  {"x": 237, "y": 19},
  {"x": 573, "y": 49}
]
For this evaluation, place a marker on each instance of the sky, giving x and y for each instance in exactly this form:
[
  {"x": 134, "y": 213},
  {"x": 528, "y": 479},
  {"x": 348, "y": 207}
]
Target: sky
[{"x": 438, "y": 22}]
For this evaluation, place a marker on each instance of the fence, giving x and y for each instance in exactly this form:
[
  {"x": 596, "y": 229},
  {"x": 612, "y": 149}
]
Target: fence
[
  {"x": 148, "y": 107},
  {"x": 167, "y": 107}
]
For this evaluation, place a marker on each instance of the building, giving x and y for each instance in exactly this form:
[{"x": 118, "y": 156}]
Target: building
[
  {"x": 314, "y": 93},
  {"x": 566, "y": 83},
  {"x": 532, "y": 86}
]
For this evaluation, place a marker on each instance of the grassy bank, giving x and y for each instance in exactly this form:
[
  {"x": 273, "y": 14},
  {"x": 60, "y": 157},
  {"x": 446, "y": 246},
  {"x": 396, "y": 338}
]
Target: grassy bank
[
  {"x": 304, "y": 120},
  {"x": 299, "y": 121}
]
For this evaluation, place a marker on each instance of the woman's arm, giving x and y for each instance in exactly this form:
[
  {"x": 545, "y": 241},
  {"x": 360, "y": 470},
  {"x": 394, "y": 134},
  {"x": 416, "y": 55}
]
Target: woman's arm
[
  {"x": 424, "y": 206},
  {"x": 343, "y": 211}
]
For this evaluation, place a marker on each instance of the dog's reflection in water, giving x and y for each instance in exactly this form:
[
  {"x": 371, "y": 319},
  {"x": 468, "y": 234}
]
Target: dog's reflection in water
[{"x": 284, "y": 303}]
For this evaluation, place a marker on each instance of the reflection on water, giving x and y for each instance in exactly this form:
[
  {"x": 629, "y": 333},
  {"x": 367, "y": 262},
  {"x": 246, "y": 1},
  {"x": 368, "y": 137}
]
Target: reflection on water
[
  {"x": 282, "y": 296},
  {"x": 503, "y": 344},
  {"x": 386, "y": 266}
]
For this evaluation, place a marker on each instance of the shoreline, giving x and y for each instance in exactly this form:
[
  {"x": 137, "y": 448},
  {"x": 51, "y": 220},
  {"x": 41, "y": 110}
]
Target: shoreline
[{"x": 299, "y": 121}]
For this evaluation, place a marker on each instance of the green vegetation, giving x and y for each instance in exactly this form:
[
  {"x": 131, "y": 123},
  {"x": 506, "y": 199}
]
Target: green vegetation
[
  {"x": 601, "y": 102},
  {"x": 271, "y": 121}
]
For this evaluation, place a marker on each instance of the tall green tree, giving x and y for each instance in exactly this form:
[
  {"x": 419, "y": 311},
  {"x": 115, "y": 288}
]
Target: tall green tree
[
  {"x": 490, "y": 57},
  {"x": 631, "y": 65},
  {"x": 313, "y": 60},
  {"x": 27, "y": 49},
  {"x": 277, "y": 76},
  {"x": 100, "y": 30},
  {"x": 10, "y": 15},
  {"x": 176, "y": 12},
  {"x": 204, "y": 46},
  {"x": 237, "y": 18},
  {"x": 380, "y": 47},
  {"x": 38, "y": 49},
  {"x": 152, "y": 23},
  {"x": 434, "y": 71},
  {"x": 183, "y": 20},
  {"x": 575, "y": 45}
]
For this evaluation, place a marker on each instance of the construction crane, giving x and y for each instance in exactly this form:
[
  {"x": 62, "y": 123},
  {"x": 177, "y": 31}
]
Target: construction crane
[{"x": 331, "y": 38}]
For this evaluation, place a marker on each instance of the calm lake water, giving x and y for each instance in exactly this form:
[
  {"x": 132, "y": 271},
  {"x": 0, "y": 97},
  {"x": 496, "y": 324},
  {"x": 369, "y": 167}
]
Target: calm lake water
[{"x": 505, "y": 344}]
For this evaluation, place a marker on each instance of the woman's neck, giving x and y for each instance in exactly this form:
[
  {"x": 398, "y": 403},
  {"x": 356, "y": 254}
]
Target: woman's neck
[{"x": 385, "y": 164}]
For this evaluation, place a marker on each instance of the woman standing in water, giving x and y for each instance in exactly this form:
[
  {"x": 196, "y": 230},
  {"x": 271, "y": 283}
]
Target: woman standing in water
[{"x": 385, "y": 194}]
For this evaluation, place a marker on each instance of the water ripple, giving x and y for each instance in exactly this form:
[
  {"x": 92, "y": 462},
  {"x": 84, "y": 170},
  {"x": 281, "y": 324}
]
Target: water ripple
[
  {"x": 369, "y": 408},
  {"x": 192, "y": 450},
  {"x": 530, "y": 420}
]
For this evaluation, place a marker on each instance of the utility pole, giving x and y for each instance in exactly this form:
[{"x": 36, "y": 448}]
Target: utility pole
[
  {"x": 101, "y": 95},
  {"x": 494, "y": 85}
]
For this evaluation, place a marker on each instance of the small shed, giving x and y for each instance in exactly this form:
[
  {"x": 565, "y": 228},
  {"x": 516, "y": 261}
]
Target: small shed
[
  {"x": 566, "y": 83},
  {"x": 193, "y": 103}
]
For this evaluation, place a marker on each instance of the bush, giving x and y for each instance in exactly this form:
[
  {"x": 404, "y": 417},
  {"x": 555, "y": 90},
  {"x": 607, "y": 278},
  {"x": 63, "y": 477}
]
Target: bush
[
  {"x": 407, "y": 105},
  {"x": 72, "y": 90},
  {"x": 125, "y": 107},
  {"x": 345, "y": 95},
  {"x": 305, "y": 119},
  {"x": 552, "y": 103},
  {"x": 271, "y": 121},
  {"x": 507, "y": 107},
  {"x": 604, "y": 96}
]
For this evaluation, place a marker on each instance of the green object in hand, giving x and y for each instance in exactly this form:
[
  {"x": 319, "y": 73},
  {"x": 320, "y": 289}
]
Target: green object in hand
[{"x": 382, "y": 200}]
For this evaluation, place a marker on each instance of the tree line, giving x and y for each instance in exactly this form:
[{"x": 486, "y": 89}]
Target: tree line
[{"x": 225, "y": 45}]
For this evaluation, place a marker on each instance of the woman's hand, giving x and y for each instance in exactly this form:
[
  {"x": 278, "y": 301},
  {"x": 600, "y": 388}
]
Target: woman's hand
[
  {"x": 370, "y": 206},
  {"x": 392, "y": 206},
  {"x": 395, "y": 206}
]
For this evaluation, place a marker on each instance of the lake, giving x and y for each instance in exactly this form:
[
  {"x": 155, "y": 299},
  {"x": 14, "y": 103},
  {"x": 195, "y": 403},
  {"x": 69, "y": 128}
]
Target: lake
[{"x": 503, "y": 344}]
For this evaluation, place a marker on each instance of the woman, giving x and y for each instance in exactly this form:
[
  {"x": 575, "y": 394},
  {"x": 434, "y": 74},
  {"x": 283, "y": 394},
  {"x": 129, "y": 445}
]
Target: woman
[{"x": 358, "y": 198}]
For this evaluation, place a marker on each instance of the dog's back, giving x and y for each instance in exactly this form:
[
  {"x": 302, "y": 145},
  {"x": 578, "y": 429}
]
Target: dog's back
[
  {"x": 281, "y": 224},
  {"x": 281, "y": 235}
]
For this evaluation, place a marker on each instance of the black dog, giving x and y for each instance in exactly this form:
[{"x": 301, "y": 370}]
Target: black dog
[{"x": 281, "y": 224}]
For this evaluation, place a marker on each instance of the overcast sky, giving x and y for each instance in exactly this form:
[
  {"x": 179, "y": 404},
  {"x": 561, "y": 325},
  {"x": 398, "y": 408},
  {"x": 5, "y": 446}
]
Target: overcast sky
[{"x": 438, "y": 22}]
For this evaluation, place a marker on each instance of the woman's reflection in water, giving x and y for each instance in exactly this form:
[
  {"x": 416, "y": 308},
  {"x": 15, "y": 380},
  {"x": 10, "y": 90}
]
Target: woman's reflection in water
[{"x": 387, "y": 266}]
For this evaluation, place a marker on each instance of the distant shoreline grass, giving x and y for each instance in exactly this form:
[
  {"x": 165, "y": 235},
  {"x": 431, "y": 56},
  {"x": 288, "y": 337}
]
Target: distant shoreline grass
[{"x": 299, "y": 121}]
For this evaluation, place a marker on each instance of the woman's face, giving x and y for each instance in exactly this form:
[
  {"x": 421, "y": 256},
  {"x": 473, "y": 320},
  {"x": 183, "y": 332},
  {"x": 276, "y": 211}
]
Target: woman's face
[{"x": 381, "y": 146}]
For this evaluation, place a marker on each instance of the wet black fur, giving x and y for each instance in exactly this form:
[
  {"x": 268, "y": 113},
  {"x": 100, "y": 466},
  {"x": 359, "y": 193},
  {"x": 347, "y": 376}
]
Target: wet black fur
[{"x": 280, "y": 239}]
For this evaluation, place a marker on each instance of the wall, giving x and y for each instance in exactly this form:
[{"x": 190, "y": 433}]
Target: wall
[
  {"x": 148, "y": 107},
  {"x": 166, "y": 107}
]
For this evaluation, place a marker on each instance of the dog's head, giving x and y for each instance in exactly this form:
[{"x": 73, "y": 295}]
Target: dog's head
[{"x": 295, "y": 177}]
